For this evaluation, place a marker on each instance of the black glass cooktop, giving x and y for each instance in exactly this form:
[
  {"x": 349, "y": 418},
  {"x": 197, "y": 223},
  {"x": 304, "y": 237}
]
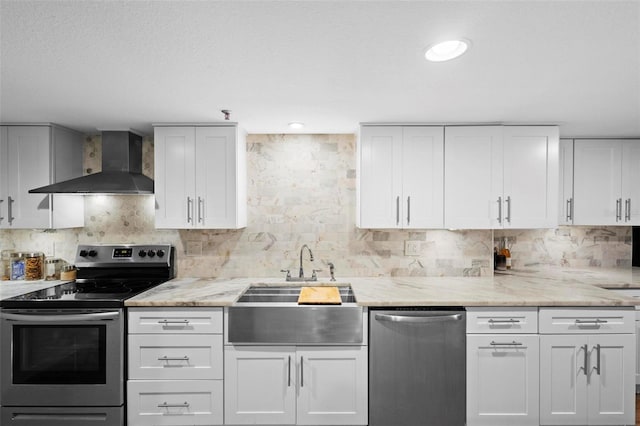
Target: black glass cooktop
[{"x": 82, "y": 293}]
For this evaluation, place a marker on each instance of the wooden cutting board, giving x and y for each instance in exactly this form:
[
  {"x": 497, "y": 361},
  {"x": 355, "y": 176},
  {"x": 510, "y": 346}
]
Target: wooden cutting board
[{"x": 319, "y": 296}]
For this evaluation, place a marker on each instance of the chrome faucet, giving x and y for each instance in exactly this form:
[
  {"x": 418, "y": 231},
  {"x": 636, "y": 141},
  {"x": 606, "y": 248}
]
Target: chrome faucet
[{"x": 310, "y": 258}]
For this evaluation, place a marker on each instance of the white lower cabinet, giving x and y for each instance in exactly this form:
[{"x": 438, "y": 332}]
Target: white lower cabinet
[
  {"x": 587, "y": 371},
  {"x": 175, "y": 367},
  {"x": 281, "y": 385},
  {"x": 502, "y": 367}
]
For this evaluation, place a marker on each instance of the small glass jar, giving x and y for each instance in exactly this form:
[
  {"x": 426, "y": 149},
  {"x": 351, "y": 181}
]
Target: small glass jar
[
  {"x": 5, "y": 264},
  {"x": 52, "y": 268},
  {"x": 17, "y": 266},
  {"x": 34, "y": 266},
  {"x": 68, "y": 273}
]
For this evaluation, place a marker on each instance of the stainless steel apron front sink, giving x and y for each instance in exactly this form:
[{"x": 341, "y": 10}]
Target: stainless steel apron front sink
[{"x": 271, "y": 315}]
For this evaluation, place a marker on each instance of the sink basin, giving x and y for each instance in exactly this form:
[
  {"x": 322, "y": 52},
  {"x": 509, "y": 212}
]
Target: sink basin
[
  {"x": 284, "y": 294},
  {"x": 271, "y": 315}
]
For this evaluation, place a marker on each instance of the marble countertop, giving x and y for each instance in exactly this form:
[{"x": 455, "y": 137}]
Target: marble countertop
[
  {"x": 518, "y": 288},
  {"x": 9, "y": 289}
]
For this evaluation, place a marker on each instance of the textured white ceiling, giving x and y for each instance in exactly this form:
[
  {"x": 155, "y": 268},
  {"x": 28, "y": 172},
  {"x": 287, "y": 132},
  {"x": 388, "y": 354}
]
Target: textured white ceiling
[{"x": 331, "y": 64}]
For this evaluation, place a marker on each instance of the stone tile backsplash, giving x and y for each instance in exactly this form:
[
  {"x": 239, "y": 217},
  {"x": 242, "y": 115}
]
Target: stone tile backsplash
[{"x": 301, "y": 190}]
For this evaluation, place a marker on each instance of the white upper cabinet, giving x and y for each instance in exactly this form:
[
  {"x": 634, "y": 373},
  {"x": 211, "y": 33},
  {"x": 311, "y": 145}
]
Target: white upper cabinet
[
  {"x": 200, "y": 177},
  {"x": 35, "y": 156},
  {"x": 501, "y": 177},
  {"x": 565, "y": 193},
  {"x": 606, "y": 172},
  {"x": 400, "y": 177}
]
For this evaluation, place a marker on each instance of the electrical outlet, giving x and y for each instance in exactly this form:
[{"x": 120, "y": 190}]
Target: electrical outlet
[
  {"x": 412, "y": 248},
  {"x": 193, "y": 248}
]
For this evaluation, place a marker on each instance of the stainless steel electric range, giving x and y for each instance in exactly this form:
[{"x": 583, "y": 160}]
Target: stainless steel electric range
[{"x": 63, "y": 348}]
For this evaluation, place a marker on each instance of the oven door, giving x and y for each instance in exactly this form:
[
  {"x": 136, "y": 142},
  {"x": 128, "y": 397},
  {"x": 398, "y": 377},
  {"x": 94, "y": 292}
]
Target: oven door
[{"x": 70, "y": 357}]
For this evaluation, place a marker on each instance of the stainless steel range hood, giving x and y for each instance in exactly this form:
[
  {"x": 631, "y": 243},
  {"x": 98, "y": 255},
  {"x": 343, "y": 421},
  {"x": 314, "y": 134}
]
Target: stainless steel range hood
[{"x": 121, "y": 170}]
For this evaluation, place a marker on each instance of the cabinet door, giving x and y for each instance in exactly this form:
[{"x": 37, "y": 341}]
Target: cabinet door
[
  {"x": 611, "y": 389},
  {"x": 530, "y": 176},
  {"x": 502, "y": 380},
  {"x": 630, "y": 179},
  {"x": 174, "y": 154},
  {"x": 28, "y": 166},
  {"x": 333, "y": 386},
  {"x": 597, "y": 182},
  {"x": 216, "y": 182},
  {"x": 472, "y": 192},
  {"x": 422, "y": 177},
  {"x": 4, "y": 136},
  {"x": 379, "y": 180},
  {"x": 259, "y": 385},
  {"x": 565, "y": 195},
  {"x": 563, "y": 379}
]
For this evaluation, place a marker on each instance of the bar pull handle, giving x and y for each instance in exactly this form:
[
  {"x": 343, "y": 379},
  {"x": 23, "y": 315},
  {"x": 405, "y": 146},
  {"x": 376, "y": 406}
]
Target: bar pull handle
[
  {"x": 597, "y": 367},
  {"x": 585, "y": 367},
  {"x": 200, "y": 206},
  {"x": 1, "y": 217},
  {"x": 289, "y": 372},
  {"x": 418, "y": 319},
  {"x": 513, "y": 343},
  {"x": 627, "y": 210},
  {"x": 408, "y": 210},
  {"x": 189, "y": 212},
  {"x": 167, "y": 322},
  {"x": 167, "y": 405},
  {"x": 596, "y": 321},
  {"x": 301, "y": 371},
  {"x": 179, "y": 358},
  {"x": 570, "y": 209},
  {"x": 10, "y": 209},
  {"x": 508, "y": 216},
  {"x": 503, "y": 321},
  {"x": 398, "y": 210},
  {"x": 618, "y": 209},
  {"x": 499, "y": 201}
]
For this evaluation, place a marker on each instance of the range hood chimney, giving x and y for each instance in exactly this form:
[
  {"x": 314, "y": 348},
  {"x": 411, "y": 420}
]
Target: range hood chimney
[{"x": 121, "y": 170}]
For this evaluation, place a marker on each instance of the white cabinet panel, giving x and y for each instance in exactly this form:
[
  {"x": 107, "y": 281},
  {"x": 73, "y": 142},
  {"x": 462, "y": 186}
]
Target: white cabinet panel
[
  {"x": 174, "y": 402},
  {"x": 502, "y": 320},
  {"x": 175, "y": 320},
  {"x": 502, "y": 380},
  {"x": 587, "y": 321},
  {"x": 333, "y": 386},
  {"x": 400, "y": 177},
  {"x": 260, "y": 385},
  {"x": 565, "y": 195},
  {"x": 630, "y": 179},
  {"x": 472, "y": 154}
]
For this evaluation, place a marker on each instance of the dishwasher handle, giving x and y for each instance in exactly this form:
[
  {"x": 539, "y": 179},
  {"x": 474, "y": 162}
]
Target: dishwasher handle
[{"x": 422, "y": 319}]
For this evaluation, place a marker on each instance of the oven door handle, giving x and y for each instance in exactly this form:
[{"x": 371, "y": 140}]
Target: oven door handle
[{"x": 96, "y": 316}]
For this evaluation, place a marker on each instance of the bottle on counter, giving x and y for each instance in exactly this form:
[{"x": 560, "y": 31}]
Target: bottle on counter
[
  {"x": 34, "y": 266},
  {"x": 507, "y": 253},
  {"x": 17, "y": 266},
  {"x": 68, "y": 273},
  {"x": 5, "y": 274},
  {"x": 53, "y": 268}
]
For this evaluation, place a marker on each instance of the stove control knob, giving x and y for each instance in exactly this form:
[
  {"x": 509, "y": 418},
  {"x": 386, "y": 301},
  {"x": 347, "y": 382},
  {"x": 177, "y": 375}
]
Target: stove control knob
[
  {"x": 151, "y": 253},
  {"x": 83, "y": 253},
  {"x": 160, "y": 253},
  {"x": 93, "y": 253},
  {"x": 142, "y": 253}
]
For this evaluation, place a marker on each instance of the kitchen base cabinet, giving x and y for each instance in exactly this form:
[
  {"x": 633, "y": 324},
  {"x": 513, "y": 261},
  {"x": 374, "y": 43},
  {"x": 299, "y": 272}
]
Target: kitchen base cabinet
[
  {"x": 288, "y": 385},
  {"x": 175, "y": 366},
  {"x": 588, "y": 372},
  {"x": 502, "y": 367}
]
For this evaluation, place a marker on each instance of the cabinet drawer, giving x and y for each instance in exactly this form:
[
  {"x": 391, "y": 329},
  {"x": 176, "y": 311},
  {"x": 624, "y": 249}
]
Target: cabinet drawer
[
  {"x": 175, "y": 321},
  {"x": 580, "y": 320},
  {"x": 502, "y": 320},
  {"x": 189, "y": 356},
  {"x": 174, "y": 402}
]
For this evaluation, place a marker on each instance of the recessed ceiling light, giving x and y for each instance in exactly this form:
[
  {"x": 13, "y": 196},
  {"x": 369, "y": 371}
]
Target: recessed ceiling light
[
  {"x": 296, "y": 125},
  {"x": 446, "y": 50}
]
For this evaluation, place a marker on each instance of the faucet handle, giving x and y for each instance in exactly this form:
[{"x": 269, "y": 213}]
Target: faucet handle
[
  {"x": 288, "y": 273},
  {"x": 331, "y": 271},
  {"x": 314, "y": 276}
]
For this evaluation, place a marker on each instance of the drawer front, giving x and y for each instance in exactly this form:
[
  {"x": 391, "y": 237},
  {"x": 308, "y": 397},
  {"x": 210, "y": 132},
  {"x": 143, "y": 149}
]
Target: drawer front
[
  {"x": 174, "y": 402},
  {"x": 579, "y": 320},
  {"x": 502, "y": 320},
  {"x": 187, "y": 357},
  {"x": 175, "y": 321}
]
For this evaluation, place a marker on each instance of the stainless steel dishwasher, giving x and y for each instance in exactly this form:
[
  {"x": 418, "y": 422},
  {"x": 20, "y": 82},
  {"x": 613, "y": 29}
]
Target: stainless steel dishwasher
[{"x": 417, "y": 367}]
